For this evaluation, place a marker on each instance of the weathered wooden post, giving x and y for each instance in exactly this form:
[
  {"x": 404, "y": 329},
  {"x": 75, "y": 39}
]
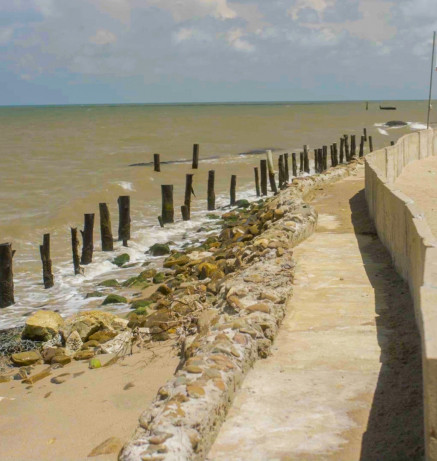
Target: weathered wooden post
[
  {"x": 294, "y": 164},
  {"x": 6, "y": 275},
  {"x": 331, "y": 152},
  {"x": 271, "y": 172},
  {"x": 185, "y": 213},
  {"x": 341, "y": 150},
  {"x": 281, "y": 171},
  {"x": 161, "y": 222},
  {"x": 167, "y": 214},
  {"x": 211, "y": 191},
  {"x": 47, "y": 274},
  {"x": 325, "y": 158},
  {"x": 195, "y": 156},
  {"x": 316, "y": 161},
  {"x": 124, "y": 219},
  {"x": 105, "y": 228},
  {"x": 346, "y": 147},
  {"x": 361, "y": 147},
  {"x": 301, "y": 163},
  {"x": 263, "y": 168},
  {"x": 156, "y": 162},
  {"x": 87, "y": 239},
  {"x": 286, "y": 168},
  {"x": 365, "y": 134},
  {"x": 334, "y": 146},
  {"x": 258, "y": 191},
  {"x": 233, "y": 189},
  {"x": 353, "y": 147},
  {"x": 370, "y": 144},
  {"x": 187, "y": 198},
  {"x": 75, "y": 250},
  {"x": 392, "y": 143},
  {"x": 306, "y": 160}
]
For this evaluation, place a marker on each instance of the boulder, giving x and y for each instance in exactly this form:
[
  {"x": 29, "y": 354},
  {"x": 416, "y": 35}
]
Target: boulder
[
  {"x": 88, "y": 322},
  {"x": 73, "y": 343},
  {"x": 159, "y": 249},
  {"x": 23, "y": 359},
  {"x": 111, "y": 283},
  {"x": 120, "y": 260},
  {"x": 43, "y": 326},
  {"x": 206, "y": 270},
  {"x": 103, "y": 336},
  {"x": 159, "y": 277},
  {"x": 94, "y": 294},
  {"x": 84, "y": 355},
  {"x": 243, "y": 203},
  {"x": 61, "y": 359},
  {"x": 114, "y": 299},
  {"x": 178, "y": 261}
]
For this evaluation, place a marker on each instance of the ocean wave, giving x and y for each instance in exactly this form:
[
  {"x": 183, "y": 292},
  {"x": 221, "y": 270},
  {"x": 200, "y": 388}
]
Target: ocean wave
[
  {"x": 416, "y": 126},
  {"x": 383, "y": 132},
  {"x": 125, "y": 185}
]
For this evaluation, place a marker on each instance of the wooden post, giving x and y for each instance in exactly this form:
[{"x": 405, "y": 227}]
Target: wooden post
[
  {"x": 87, "y": 239},
  {"x": 370, "y": 144},
  {"x": 124, "y": 219},
  {"x": 294, "y": 164},
  {"x": 156, "y": 162},
  {"x": 392, "y": 143},
  {"x": 161, "y": 223},
  {"x": 188, "y": 192},
  {"x": 233, "y": 189},
  {"x": 353, "y": 147},
  {"x": 6, "y": 275},
  {"x": 365, "y": 134},
  {"x": 263, "y": 168},
  {"x": 325, "y": 158},
  {"x": 195, "y": 156},
  {"x": 331, "y": 151},
  {"x": 306, "y": 160},
  {"x": 211, "y": 192},
  {"x": 286, "y": 168},
  {"x": 44, "y": 250},
  {"x": 105, "y": 228},
  {"x": 334, "y": 146},
  {"x": 341, "y": 150},
  {"x": 281, "y": 171},
  {"x": 75, "y": 249},
  {"x": 167, "y": 204},
  {"x": 346, "y": 147},
  {"x": 361, "y": 146},
  {"x": 185, "y": 213},
  {"x": 301, "y": 162},
  {"x": 316, "y": 161},
  {"x": 271, "y": 172},
  {"x": 258, "y": 191}
]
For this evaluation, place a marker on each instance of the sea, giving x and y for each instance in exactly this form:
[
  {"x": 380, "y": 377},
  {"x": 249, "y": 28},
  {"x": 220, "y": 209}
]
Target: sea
[{"x": 59, "y": 162}]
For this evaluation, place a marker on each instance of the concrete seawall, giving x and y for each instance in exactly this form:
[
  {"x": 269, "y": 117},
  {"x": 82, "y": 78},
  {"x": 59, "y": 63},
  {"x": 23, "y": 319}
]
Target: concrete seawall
[{"x": 403, "y": 229}]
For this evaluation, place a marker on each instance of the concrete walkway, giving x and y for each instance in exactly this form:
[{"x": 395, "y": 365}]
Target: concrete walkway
[{"x": 344, "y": 380}]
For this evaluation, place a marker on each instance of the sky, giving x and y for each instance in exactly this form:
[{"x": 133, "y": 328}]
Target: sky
[{"x": 164, "y": 51}]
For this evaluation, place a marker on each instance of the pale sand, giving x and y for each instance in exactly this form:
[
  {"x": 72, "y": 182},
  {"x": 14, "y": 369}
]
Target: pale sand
[
  {"x": 418, "y": 180},
  {"x": 67, "y": 421}
]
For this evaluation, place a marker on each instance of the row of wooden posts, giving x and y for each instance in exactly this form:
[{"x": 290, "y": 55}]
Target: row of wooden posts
[{"x": 264, "y": 174}]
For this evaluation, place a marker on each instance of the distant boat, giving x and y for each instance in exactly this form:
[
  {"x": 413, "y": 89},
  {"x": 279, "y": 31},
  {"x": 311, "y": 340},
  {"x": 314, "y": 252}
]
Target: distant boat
[{"x": 387, "y": 107}]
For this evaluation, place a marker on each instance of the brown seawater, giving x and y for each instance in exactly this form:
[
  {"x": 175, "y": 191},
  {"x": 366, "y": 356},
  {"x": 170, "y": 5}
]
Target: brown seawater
[{"x": 59, "y": 162}]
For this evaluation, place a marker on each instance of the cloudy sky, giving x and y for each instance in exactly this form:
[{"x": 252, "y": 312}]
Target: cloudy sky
[{"x": 122, "y": 51}]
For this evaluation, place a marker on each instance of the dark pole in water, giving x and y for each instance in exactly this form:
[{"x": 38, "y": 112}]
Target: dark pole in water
[
  {"x": 124, "y": 219},
  {"x": 341, "y": 150},
  {"x": 365, "y": 134},
  {"x": 6, "y": 275},
  {"x": 263, "y": 168},
  {"x": 367, "y": 105},
  {"x": 105, "y": 228},
  {"x": 362, "y": 146},
  {"x": 294, "y": 164},
  {"x": 271, "y": 172},
  {"x": 370, "y": 144},
  {"x": 353, "y": 146},
  {"x": 156, "y": 162},
  {"x": 306, "y": 159},
  {"x": 430, "y": 81},
  {"x": 185, "y": 213},
  {"x": 392, "y": 143},
  {"x": 258, "y": 191},
  {"x": 211, "y": 192},
  {"x": 233, "y": 187},
  {"x": 87, "y": 238},
  {"x": 161, "y": 223},
  {"x": 301, "y": 162},
  {"x": 187, "y": 198},
  {"x": 331, "y": 151},
  {"x": 75, "y": 250},
  {"x": 47, "y": 273},
  {"x": 334, "y": 146},
  {"x": 325, "y": 158},
  {"x": 281, "y": 171},
  {"x": 316, "y": 160},
  {"x": 286, "y": 168},
  {"x": 195, "y": 156},
  {"x": 346, "y": 147},
  {"x": 167, "y": 215}
]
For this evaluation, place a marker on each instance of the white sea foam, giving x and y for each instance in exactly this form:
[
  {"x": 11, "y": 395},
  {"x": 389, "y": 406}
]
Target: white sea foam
[
  {"x": 416, "y": 126},
  {"x": 126, "y": 185},
  {"x": 383, "y": 132}
]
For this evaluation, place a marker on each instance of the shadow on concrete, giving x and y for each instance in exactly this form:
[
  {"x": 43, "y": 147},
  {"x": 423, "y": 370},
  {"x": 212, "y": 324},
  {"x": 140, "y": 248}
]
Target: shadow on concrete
[{"x": 395, "y": 428}]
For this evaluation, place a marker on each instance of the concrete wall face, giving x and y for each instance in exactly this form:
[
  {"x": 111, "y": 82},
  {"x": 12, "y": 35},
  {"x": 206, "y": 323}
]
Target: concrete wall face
[{"x": 402, "y": 228}]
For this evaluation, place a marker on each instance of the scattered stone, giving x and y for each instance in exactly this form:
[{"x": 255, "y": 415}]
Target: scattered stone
[
  {"x": 90, "y": 344},
  {"x": 83, "y": 355},
  {"x": 108, "y": 447},
  {"x": 120, "y": 260},
  {"x": 111, "y": 283},
  {"x": 94, "y": 294},
  {"x": 195, "y": 391},
  {"x": 74, "y": 342},
  {"x": 58, "y": 380},
  {"x": 61, "y": 359},
  {"x": 243, "y": 203},
  {"x": 193, "y": 369},
  {"x": 103, "y": 336},
  {"x": 94, "y": 363},
  {"x": 159, "y": 249},
  {"x": 42, "y": 326},
  {"x": 22, "y": 359},
  {"x": 259, "y": 307},
  {"x": 37, "y": 376},
  {"x": 114, "y": 299},
  {"x": 165, "y": 290},
  {"x": 159, "y": 278}
]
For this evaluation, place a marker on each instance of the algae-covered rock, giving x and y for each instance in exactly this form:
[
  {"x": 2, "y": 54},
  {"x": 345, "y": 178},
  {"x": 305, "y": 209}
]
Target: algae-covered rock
[
  {"x": 243, "y": 203},
  {"x": 23, "y": 359},
  {"x": 142, "y": 310},
  {"x": 88, "y": 322},
  {"x": 103, "y": 336},
  {"x": 114, "y": 299},
  {"x": 159, "y": 277},
  {"x": 140, "y": 303},
  {"x": 165, "y": 290},
  {"x": 61, "y": 359},
  {"x": 159, "y": 249},
  {"x": 212, "y": 216},
  {"x": 147, "y": 274},
  {"x": 94, "y": 363},
  {"x": 111, "y": 283},
  {"x": 84, "y": 355},
  {"x": 206, "y": 270},
  {"x": 120, "y": 260},
  {"x": 178, "y": 261},
  {"x": 42, "y": 326},
  {"x": 94, "y": 294}
]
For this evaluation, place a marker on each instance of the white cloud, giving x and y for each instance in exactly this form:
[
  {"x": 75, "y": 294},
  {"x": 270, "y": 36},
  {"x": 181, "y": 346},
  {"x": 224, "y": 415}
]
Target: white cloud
[
  {"x": 103, "y": 37},
  {"x": 6, "y": 35},
  {"x": 317, "y": 5},
  {"x": 234, "y": 38},
  {"x": 183, "y": 34}
]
